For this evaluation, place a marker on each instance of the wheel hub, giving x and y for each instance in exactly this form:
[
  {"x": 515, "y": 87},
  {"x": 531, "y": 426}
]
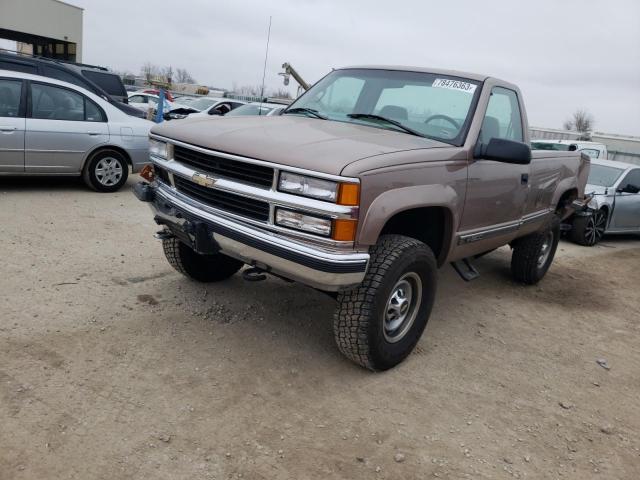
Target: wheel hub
[
  {"x": 402, "y": 307},
  {"x": 108, "y": 171}
]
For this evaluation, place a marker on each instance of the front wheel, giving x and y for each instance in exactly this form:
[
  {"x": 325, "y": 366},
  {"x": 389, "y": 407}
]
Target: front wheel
[
  {"x": 106, "y": 171},
  {"x": 533, "y": 254},
  {"x": 202, "y": 268},
  {"x": 378, "y": 323}
]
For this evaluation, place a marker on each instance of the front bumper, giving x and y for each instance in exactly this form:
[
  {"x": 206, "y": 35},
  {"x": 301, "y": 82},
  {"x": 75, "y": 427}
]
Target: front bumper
[{"x": 208, "y": 233}]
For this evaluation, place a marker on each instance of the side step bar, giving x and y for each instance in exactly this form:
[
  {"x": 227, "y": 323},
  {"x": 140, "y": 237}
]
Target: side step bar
[{"x": 465, "y": 269}]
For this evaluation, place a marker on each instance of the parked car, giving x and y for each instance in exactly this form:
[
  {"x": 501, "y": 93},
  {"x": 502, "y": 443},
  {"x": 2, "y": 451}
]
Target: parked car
[
  {"x": 63, "y": 71},
  {"x": 110, "y": 82},
  {"x": 144, "y": 101},
  {"x": 257, "y": 108},
  {"x": 204, "y": 106},
  {"x": 615, "y": 207},
  {"x": 52, "y": 127},
  {"x": 362, "y": 188},
  {"x": 593, "y": 149}
]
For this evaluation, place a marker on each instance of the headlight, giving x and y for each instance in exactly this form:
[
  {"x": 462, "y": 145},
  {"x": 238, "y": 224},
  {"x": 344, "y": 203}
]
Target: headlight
[
  {"x": 308, "y": 186},
  {"x": 303, "y": 222},
  {"x": 327, "y": 190},
  {"x": 158, "y": 148}
]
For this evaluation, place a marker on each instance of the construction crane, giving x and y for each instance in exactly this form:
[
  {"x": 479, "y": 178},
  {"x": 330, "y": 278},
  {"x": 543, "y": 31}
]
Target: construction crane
[{"x": 289, "y": 71}]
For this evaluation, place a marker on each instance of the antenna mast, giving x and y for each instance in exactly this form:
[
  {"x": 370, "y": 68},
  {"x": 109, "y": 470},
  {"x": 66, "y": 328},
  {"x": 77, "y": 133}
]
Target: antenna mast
[{"x": 266, "y": 55}]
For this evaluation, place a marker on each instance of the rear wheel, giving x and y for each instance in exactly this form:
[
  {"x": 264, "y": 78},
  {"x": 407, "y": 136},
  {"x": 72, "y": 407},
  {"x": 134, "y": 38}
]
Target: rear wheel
[
  {"x": 533, "y": 254},
  {"x": 378, "y": 323},
  {"x": 202, "y": 268},
  {"x": 106, "y": 171},
  {"x": 589, "y": 230}
]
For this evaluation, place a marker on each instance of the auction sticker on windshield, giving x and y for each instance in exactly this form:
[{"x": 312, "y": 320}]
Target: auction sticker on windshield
[{"x": 454, "y": 85}]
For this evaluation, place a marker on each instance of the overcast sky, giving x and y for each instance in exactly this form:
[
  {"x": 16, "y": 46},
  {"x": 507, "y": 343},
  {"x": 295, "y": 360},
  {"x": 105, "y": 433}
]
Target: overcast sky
[{"x": 564, "y": 54}]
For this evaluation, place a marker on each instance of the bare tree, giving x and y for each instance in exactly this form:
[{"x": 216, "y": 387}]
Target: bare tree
[
  {"x": 280, "y": 93},
  {"x": 183, "y": 76},
  {"x": 581, "y": 120}
]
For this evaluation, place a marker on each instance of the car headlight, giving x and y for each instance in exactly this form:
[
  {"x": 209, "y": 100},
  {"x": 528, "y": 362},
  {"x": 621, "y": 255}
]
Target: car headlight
[
  {"x": 304, "y": 222},
  {"x": 158, "y": 148},
  {"x": 327, "y": 190}
]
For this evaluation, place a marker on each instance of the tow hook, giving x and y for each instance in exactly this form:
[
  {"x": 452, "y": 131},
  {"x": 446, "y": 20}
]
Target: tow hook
[
  {"x": 254, "y": 274},
  {"x": 163, "y": 235}
]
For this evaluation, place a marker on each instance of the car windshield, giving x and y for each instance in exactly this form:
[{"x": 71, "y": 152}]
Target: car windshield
[
  {"x": 603, "y": 176},
  {"x": 562, "y": 147},
  {"x": 431, "y": 105},
  {"x": 202, "y": 103},
  {"x": 250, "y": 109}
]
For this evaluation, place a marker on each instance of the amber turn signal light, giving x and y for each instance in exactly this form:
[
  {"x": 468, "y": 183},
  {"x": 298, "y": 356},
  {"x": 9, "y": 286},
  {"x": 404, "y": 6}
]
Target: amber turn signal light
[
  {"x": 349, "y": 194},
  {"x": 148, "y": 173},
  {"x": 344, "y": 230}
]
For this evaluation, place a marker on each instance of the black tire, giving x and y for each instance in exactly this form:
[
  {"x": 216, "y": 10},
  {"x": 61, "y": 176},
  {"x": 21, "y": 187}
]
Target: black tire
[
  {"x": 202, "y": 268},
  {"x": 533, "y": 254},
  {"x": 362, "y": 325},
  {"x": 589, "y": 230},
  {"x": 106, "y": 171}
]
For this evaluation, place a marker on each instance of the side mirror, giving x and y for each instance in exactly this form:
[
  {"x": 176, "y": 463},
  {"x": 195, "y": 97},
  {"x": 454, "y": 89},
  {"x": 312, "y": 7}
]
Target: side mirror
[
  {"x": 629, "y": 188},
  {"x": 507, "y": 151}
]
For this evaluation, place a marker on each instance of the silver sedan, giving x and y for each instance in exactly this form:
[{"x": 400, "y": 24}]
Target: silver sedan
[
  {"x": 57, "y": 128},
  {"x": 615, "y": 207}
]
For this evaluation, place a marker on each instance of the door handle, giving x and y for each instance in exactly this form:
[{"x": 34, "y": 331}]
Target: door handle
[
  {"x": 93, "y": 133},
  {"x": 4, "y": 128},
  {"x": 524, "y": 179}
]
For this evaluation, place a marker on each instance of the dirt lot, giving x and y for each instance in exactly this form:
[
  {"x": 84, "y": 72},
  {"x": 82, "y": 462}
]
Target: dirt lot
[{"x": 113, "y": 366}]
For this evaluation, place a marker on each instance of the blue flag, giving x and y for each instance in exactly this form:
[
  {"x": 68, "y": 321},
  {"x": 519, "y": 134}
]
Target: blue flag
[{"x": 160, "y": 107}]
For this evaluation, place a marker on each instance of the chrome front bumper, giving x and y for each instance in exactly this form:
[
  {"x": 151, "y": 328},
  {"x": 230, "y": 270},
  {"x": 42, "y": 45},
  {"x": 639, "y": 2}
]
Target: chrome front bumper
[{"x": 208, "y": 233}]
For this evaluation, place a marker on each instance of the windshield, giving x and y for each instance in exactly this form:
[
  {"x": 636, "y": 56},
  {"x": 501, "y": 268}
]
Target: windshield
[
  {"x": 562, "y": 147},
  {"x": 432, "y": 105},
  {"x": 603, "y": 176},
  {"x": 202, "y": 103},
  {"x": 250, "y": 109}
]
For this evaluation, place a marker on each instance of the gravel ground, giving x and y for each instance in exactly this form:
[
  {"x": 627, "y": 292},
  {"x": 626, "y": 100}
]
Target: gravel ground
[{"x": 113, "y": 366}]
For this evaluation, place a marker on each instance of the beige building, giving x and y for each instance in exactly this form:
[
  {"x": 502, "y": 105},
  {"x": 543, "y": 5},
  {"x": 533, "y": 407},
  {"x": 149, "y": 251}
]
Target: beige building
[{"x": 50, "y": 28}]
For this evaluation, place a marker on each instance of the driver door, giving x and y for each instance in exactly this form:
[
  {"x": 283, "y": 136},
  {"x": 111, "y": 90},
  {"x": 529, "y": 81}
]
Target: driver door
[{"x": 496, "y": 191}]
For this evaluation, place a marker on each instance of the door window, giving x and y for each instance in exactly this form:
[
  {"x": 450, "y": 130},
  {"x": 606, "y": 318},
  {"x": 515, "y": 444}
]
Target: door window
[
  {"x": 57, "y": 103},
  {"x": 592, "y": 152},
  {"x": 10, "y": 93},
  {"x": 137, "y": 99},
  {"x": 502, "y": 119},
  {"x": 633, "y": 178}
]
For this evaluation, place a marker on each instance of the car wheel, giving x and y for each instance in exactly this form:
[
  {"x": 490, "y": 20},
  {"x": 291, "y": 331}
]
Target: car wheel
[
  {"x": 378, "y": 323},
  {"x": 589, "y": 230},
  {"x": 533, "y": 254},
  {"x": 202, "y": 268},
  {"x": 106, "y": 171}
]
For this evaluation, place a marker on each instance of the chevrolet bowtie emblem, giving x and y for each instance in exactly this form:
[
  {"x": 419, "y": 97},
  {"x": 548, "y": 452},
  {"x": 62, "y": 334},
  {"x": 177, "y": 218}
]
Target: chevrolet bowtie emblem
[{"x": 203, "y": 180}]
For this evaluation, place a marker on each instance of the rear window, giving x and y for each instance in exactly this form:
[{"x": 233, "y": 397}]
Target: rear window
[
  {"x": 562, "y": 147},
  {"x": 109, "y": 82}
]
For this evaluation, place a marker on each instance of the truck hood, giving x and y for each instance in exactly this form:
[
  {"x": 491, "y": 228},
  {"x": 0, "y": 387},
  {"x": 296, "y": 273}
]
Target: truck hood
[{"x": 320, "y": 145}]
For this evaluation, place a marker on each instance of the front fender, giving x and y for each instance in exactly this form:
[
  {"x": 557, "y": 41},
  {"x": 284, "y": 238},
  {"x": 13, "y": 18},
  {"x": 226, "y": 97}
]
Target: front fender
[{"x": 395, "y": 201}]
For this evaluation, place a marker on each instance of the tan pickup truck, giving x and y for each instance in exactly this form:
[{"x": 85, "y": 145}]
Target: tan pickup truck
[{"x": 363, "y": 187}]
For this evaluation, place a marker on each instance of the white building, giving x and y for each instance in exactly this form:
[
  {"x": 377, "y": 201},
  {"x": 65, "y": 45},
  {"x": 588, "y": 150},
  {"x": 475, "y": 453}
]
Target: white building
[{"x": 50, "y": 28}]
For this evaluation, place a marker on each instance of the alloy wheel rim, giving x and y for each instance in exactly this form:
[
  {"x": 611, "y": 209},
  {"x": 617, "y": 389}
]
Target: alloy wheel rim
[
  {"x": 595, "y": 228},
  {"x": 108, "y": 171},
  {"x": 402, "y": 307}
]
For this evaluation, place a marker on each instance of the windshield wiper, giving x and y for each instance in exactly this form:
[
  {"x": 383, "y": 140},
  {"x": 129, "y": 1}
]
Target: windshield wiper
[
  {"x": 310, "y": 111},
  {"x": 385, "y": 119}
]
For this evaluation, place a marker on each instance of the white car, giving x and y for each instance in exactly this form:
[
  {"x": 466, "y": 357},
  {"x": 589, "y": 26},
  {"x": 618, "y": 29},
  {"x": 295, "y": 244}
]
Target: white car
[
  {"x": 57, "y": 128},
  {"x": 593, "y": 149},
  {"x": 208, "y": 106},
  {"x": 258, "y": 108},
  {"x": 144, "y": 101}
]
